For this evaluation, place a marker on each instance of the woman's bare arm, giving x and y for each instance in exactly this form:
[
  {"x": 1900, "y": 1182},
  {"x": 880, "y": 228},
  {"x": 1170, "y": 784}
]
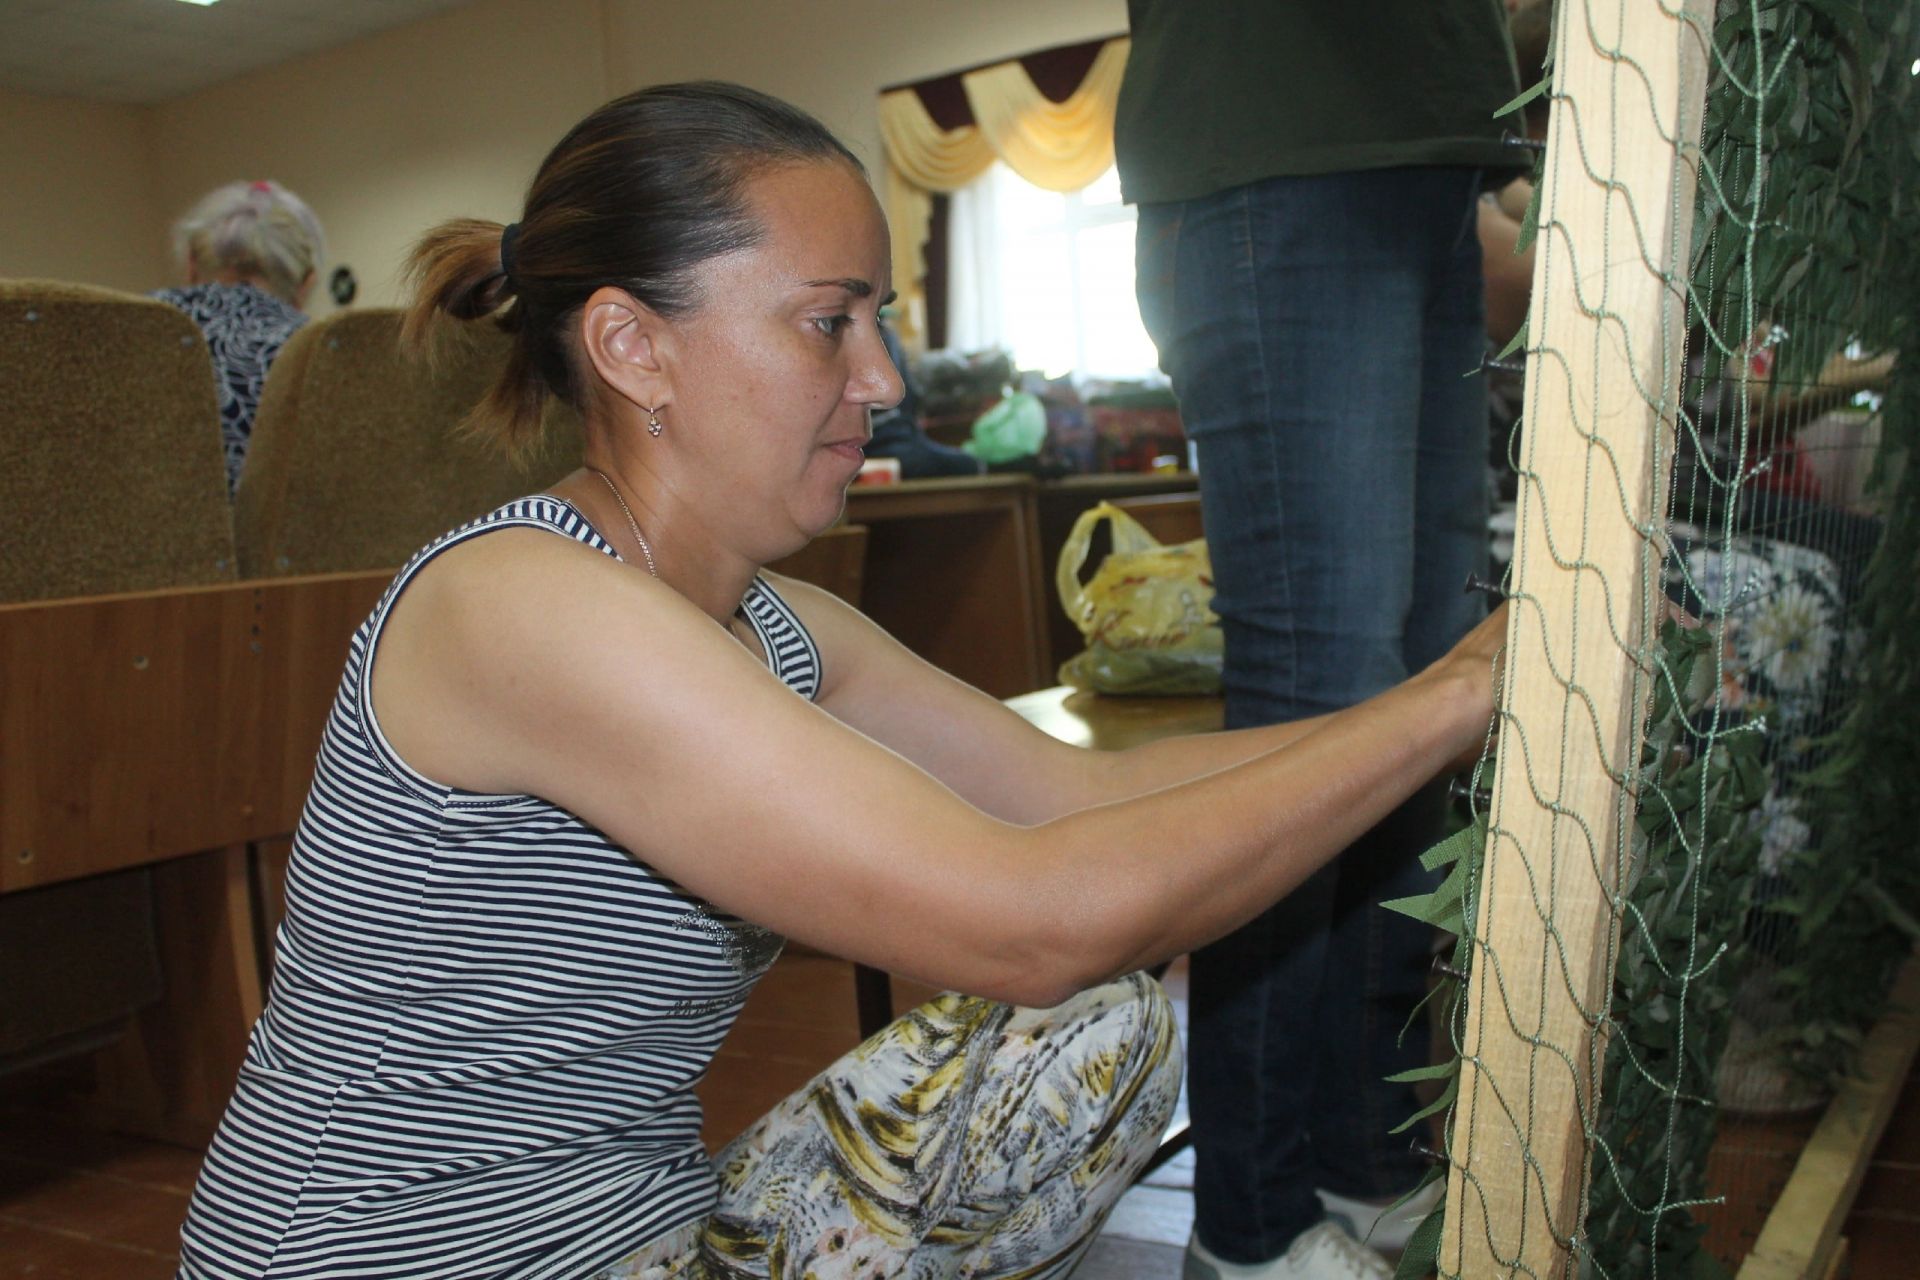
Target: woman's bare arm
[
  {"x": 520, "y": 662},
  {"x": 987, "y": 753}
]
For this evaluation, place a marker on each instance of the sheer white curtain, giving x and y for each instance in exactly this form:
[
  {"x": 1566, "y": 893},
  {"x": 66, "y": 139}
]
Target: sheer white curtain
[
  {"x": 975, "y": 309},
  {"x": 1049, "y": 276}
]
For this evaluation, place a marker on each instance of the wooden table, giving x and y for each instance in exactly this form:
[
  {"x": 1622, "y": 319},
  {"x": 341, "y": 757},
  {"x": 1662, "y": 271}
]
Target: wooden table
[
  {"x": 159, "y": 723},
  {"x": 961, "y": 570},
  {"x": 1107, "y": 723},
  {"x": 954, "y": 572}
]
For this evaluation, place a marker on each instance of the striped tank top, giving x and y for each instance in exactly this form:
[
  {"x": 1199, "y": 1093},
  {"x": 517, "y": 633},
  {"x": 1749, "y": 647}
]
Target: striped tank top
[{"x": 486, "y": 1019}]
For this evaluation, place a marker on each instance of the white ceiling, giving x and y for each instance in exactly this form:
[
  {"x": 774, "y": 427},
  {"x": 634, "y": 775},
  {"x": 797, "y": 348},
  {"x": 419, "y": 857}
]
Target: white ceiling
[{"x": 152, "y": 50}]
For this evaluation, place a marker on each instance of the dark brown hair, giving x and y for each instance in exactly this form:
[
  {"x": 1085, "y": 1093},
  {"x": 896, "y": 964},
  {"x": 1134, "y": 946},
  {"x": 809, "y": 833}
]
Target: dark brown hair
[{"x": 636, "y": 196}]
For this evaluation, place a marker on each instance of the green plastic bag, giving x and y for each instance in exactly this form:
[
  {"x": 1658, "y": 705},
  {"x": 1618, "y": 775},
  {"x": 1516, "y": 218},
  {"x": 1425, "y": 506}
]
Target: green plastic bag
[
  {"x": 1146, "y": 613},
  {"x": 1014, "y": 428}
]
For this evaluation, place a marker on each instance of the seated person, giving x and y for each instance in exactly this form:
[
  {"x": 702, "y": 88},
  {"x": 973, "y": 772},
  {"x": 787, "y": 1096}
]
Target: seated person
[
  {"x": 590, "y": 764},
  {"x": 250, "y": 252},
  {"x": 1738, "y": 440},
  {"x": 897, "y": 433}
]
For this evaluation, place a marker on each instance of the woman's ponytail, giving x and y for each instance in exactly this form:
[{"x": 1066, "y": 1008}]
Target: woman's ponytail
[{"x": 456, "y": 274}]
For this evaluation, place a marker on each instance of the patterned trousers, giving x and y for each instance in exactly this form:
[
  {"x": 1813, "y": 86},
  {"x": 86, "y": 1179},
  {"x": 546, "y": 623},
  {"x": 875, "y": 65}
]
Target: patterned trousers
[{"x": 967, "y": 1139}]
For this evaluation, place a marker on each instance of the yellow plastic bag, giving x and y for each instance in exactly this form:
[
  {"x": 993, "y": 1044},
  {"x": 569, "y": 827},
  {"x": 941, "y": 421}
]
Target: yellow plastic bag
[{"x": 1146, "y": 613}]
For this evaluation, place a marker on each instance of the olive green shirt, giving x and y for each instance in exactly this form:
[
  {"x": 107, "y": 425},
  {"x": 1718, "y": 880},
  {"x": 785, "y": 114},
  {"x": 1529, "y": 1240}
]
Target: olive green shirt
[{"x": 1220, "y": 93}]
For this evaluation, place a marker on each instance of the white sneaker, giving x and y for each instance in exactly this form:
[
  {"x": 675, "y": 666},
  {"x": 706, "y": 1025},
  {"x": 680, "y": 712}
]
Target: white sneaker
[
  {"x": 1322, "y": 1252},
  {"x": 1381, "y": 1224}
]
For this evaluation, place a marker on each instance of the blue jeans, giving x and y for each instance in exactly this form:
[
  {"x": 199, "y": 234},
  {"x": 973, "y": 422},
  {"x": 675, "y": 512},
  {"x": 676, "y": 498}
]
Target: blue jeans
[{"x": 1323, "y": 335}]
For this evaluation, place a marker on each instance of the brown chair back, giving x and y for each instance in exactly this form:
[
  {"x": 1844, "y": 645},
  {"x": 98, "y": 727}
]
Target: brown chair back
[
  {"x": 356, "y": 460},
  {"x": 112, "y": 479},
  {"x": 112, "y": 476}
]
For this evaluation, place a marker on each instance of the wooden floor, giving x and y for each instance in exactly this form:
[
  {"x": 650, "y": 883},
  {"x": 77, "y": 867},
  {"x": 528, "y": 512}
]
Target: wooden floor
[{"x": 82, "y": 1206}]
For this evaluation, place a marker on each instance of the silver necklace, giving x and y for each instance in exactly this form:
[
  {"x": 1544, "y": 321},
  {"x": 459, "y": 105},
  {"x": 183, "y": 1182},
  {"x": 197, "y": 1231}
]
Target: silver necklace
[{"x": 632, "y": 524}]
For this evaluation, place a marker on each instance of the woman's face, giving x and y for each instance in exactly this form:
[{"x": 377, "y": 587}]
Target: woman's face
[{"x": 781, "y": 363}]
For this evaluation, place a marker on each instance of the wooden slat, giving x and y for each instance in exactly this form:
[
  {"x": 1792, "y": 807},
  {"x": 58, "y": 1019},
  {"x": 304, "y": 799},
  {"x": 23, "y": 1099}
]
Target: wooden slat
[
  {"x": 1801, "y": 1238},
  {"x": 1603, "y": 377},
  {"x": 140, "y": 727}
]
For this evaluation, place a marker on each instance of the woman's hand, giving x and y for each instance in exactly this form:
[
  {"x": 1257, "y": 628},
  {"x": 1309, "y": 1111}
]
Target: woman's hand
[{"x": 1475, "y": 667}]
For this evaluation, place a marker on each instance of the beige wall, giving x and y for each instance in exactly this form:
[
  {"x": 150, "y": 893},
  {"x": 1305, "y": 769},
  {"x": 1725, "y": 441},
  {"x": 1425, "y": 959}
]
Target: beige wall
[
  {"x": 451, "y": 115},
  {"x": 833, "y": 58},
  {"x": 388, "y": 135},
  {"x": 78, "y": 199}
]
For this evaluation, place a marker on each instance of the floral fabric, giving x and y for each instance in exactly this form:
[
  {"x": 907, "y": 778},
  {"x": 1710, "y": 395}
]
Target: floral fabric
[
  {"x": 969, "y": 1138},
  {"x": 1782, "y": 609},
  {"x": 1785, "y": 654},
  {"x": 245, "y": 329}
]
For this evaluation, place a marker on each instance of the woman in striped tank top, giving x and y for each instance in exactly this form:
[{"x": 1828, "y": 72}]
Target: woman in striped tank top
[{"x": 568, "y": 804}]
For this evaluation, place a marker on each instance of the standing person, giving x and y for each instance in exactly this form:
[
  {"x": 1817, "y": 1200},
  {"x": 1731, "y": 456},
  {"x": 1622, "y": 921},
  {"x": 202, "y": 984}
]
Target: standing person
[
  {"x": 1306, "y": 175},
  {"x": 589, "y": 764},
  {"x": 250, "y": 252}
]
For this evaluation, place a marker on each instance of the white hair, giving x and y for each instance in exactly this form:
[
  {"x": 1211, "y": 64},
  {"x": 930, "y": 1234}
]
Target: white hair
[{"x": 260, "y": 229}]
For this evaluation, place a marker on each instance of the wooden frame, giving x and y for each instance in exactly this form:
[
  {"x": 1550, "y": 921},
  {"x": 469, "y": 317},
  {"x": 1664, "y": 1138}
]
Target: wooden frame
[
  {"x": 1801, "y": 1239},
  {"x": 1603, "y": 382}
]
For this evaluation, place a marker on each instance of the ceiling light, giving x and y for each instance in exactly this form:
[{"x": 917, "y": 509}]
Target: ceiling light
[{"x": 202, "y": 3}]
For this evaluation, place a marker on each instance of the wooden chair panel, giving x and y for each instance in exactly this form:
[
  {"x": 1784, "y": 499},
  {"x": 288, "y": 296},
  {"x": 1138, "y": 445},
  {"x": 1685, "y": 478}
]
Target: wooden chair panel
[
  {"x": 159, "y": 724},
  {"x": 112, "y": 478}
]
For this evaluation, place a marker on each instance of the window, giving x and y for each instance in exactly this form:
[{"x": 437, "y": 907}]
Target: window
[{"x": 1047, "y": 276}]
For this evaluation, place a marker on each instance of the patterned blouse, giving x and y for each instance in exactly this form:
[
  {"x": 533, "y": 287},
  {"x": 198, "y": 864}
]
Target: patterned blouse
[{"x": 245, "y": 329}]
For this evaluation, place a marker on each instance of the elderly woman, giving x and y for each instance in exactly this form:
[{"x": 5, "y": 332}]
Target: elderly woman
[
  {"x": 589, "y": 764},
  {"x": 249, "y": 252}
]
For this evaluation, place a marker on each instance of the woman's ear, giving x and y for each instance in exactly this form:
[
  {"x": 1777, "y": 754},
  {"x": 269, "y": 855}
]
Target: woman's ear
[
  {"x": 622, "y": 338},
  {"x": 304, "y": 289}
]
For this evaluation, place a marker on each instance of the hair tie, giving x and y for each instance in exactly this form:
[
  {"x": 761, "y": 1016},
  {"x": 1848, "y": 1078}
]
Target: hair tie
[{"x": 508, "y": 234}]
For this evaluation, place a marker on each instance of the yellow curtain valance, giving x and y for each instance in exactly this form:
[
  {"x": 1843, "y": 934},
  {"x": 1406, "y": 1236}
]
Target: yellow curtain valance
[{"x": 1061, "y": 146}]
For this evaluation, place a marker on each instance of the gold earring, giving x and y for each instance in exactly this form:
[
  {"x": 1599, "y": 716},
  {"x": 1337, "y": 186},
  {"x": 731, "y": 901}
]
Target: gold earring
[{"x": 653, "y": 423}]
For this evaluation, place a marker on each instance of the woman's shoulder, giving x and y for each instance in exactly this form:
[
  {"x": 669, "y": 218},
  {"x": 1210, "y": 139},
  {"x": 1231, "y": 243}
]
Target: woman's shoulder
[
  {"x": 539, "y": 530},
  {"x": 539, "y": 516},
  {"x": 500, "y": 566}
]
